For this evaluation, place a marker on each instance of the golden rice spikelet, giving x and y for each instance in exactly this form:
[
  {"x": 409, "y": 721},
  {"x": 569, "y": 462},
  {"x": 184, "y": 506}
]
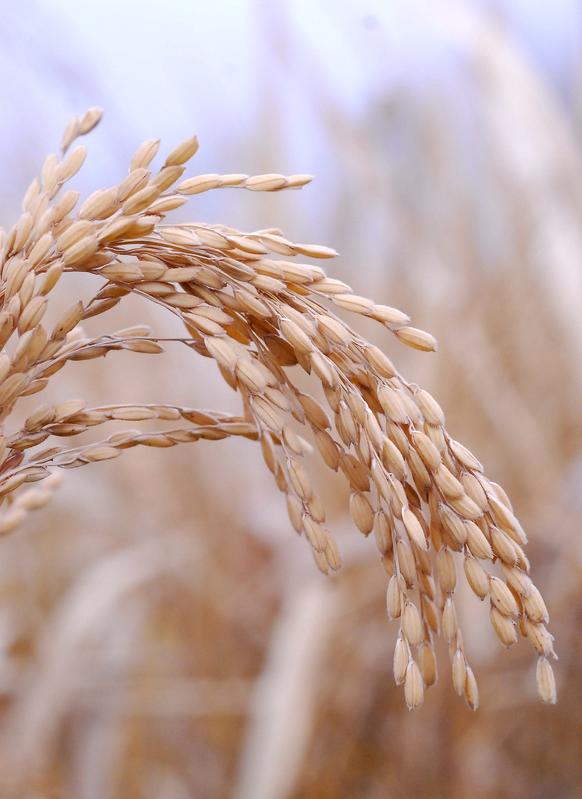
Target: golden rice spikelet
[
  {"x": 401, "y": 660},
  {"x": 413, "y": 686},
  {"x": 546, "y": 681}
]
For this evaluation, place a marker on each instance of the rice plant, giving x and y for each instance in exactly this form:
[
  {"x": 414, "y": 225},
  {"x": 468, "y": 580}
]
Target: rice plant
[{"x": 264, "y": 319}]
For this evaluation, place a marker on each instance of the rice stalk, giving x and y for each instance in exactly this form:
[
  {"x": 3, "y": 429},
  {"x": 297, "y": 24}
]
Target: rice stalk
[{"x": 259, "y": 315}]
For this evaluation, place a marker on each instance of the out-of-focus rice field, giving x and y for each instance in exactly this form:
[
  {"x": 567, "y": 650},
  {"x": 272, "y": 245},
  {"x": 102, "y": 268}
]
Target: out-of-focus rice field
[{"x": 162, "y": 632}]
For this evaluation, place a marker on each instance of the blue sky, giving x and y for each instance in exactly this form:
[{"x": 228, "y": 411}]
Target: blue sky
[{"x": 243, "y": 74}]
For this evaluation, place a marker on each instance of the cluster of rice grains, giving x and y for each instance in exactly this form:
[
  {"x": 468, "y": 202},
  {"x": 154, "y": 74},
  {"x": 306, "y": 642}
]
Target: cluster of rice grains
[{"x": 257, "y": 314}]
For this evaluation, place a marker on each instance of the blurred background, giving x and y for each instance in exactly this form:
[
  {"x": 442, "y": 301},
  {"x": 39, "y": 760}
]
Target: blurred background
[{"x": 162, "y": 632}]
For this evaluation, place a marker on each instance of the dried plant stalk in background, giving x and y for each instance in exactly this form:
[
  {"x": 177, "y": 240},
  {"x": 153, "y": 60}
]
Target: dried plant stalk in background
[{"x": 258, "y": 315}]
